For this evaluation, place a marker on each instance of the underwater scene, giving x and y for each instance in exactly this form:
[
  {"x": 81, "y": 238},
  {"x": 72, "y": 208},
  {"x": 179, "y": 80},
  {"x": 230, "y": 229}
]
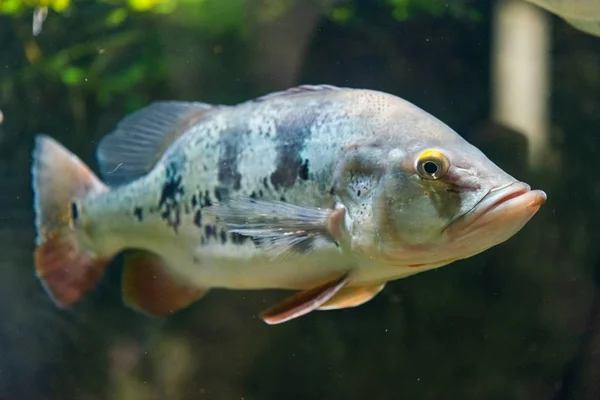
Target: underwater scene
[{"x": 299, "y": 199}]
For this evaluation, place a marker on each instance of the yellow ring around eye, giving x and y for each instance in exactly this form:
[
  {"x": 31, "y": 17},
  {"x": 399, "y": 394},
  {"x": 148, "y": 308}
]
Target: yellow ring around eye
[{"x": 432, "y": 164}]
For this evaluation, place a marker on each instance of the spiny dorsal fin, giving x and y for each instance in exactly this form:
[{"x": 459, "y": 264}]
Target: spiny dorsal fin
[
  {"x": 297, "y": 90},
  {"x": 140, "y": 139}
]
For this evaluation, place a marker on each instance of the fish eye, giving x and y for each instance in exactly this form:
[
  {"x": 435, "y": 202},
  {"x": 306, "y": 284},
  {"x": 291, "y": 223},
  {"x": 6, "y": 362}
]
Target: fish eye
[{"x": 432, "y": 165}]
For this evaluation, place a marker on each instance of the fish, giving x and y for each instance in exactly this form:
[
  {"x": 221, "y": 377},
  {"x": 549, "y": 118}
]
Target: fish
[
  {"x": 583, "y": 15},
  {"x": 325, "y": 191}
]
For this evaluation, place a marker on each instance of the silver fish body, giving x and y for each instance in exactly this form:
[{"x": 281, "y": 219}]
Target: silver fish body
[
  {"x": 243, "y": 197},
  {"x": 279, "y": 148}
]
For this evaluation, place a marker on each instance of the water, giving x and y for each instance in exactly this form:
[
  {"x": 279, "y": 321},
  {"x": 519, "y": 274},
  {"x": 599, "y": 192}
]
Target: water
[{"x": 520, "y": 321}]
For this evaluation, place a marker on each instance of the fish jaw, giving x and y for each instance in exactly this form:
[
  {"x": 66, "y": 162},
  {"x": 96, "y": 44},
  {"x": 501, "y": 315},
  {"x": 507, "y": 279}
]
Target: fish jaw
[{"x": 496, "y": 218}]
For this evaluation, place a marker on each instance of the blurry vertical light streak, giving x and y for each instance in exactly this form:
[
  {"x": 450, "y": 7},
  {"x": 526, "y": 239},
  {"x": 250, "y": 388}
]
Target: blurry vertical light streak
[{"x": 520, "y": 73}]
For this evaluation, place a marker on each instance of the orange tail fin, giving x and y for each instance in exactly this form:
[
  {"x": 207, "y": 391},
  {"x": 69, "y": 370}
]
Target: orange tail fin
[{"x": 65, "y": 266}]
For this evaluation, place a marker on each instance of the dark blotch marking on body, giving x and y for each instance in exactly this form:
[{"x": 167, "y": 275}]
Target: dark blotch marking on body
[
  {"x": 210, "y": 231},
  {"x": 139, "y": 213},
  {"x": 236, "y": 238},
  {"x": 292, "y": 132},
  {"x": 303, "y": 172},
  {"x": 229, "y": 176},
  {"x": 198, "y": 219},
  {"x": 207, "y": 201},
  {"x": 198, "y": 201},
  {"x": 169, "y": 199},
  {"x": 221, "y": 193}
]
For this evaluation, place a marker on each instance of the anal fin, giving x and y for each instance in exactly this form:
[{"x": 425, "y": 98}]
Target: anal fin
[
  {"x": 148, "y": 287},
  {"x": 304, "y": 302},
  {"x": 352, "y": 296}
]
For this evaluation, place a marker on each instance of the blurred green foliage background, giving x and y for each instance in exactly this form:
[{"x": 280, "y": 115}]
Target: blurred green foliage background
[{"x": 519, "y": 321}]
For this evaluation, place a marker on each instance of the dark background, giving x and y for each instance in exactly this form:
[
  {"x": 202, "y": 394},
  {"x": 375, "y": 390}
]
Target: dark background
[{"x": 520, "y": 321}]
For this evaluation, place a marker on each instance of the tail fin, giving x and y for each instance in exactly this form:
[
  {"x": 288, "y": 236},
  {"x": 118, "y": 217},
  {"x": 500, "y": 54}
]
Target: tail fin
[{"x": 65, "y": 266}]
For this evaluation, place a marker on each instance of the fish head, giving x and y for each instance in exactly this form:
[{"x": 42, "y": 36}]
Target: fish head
[{"x": 429, "y": 202}]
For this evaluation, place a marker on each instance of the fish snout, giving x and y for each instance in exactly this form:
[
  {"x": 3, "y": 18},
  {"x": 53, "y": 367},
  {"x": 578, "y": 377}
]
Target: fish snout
[{"x": 507, "y": 208}]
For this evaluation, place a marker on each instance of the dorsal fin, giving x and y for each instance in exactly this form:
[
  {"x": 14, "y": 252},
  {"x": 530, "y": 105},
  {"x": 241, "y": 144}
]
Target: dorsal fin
[
  {"x": 140, "y": 139},
  {"x": 297, "y": 90}
]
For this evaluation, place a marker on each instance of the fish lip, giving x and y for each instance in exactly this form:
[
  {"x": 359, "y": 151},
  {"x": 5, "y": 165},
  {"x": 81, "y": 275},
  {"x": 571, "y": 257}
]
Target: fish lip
[
  {"x": 501, "y": 195},
  {"x": 497, "y": 197}
]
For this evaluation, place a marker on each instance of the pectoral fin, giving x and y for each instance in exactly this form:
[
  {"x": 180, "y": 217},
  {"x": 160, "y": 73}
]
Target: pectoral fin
[
  {"x": 281, "y": 229},
  {"x": 352, "y": 297},
  {"x": 304, "y": 302},
  {"x": 149, "y": 288}
]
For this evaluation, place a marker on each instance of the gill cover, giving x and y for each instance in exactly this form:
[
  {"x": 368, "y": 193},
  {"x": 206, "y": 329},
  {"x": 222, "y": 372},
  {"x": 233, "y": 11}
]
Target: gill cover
[{"x": 398, "y": 199}]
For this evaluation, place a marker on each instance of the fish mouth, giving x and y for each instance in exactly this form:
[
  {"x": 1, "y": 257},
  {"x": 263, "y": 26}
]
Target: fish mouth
[{"x": 511, "y": 205}]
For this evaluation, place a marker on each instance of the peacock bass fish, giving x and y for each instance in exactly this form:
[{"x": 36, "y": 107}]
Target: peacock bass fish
[{"x": 328, "y": 191}]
